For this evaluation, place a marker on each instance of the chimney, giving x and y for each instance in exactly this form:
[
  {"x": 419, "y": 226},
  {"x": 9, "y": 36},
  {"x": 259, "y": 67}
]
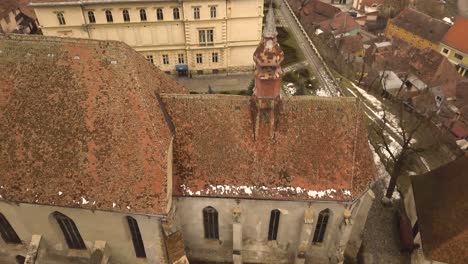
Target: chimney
[
  {"x": 268, "y": 57},
  {"x": 266, "y": 98}
]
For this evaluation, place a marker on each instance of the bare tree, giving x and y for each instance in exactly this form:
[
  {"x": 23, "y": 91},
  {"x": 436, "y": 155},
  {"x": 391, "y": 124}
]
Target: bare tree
[{"x": 397, "y": 158}]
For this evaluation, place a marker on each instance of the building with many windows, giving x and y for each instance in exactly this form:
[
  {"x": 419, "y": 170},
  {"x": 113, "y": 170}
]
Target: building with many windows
[
  {"x": 179, "y": 37},
  {"x": 16, "y": 17},
  {"x": 105, "y": 159}
]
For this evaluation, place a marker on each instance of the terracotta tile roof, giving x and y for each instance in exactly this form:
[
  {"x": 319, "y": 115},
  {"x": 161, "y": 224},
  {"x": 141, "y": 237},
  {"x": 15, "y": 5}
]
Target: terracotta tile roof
[
  {"x": 351, "y": 44},
  {"x": 340, "y": 23},
  {"x": 421, "y": 24},
  {"x": 80, "y": 125},
  {"x": 315, "y": 11},
  {"x": 319, "y": 150},
  {"x": 6, "y": 6},
  {"x": 442, "y": 208},
  {"x": 461, "y": 94},
  {"x": 457, "y": 35}
]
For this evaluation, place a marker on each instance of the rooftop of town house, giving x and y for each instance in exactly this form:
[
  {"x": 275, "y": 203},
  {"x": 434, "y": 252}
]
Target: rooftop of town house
[
  {"x": 340, "y": 23},
  {"x": 421, "y": 24},
  {"x": 351, "y": 44},
  {"x": 80, "y": 125},
  {"x": 73, "y": 2},
  {"x": 314, "y": 11},
  {"x": 457, "y": 36},
  {"x": 6, "y": 6},
  {"x": 442, "y": 208},
  {"x": 318, "y": 149}
]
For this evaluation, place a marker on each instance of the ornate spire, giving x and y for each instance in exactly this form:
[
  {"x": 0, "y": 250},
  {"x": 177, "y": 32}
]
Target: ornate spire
[
  {"x": 268, "y": 57},
  {"x": 270, "y": 25}
]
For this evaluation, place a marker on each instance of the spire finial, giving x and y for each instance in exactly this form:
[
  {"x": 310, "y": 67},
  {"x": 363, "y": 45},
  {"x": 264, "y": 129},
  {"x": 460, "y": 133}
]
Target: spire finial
[{"x": 270, "y": 27}]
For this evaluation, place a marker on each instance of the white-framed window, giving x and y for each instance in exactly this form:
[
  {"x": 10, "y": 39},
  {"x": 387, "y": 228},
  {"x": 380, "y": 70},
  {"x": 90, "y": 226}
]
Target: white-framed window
[
  {"x": 181, "y": 58},
  {"x": 213, "y": 12},
  {"x": 109, "y": 17},
  {"x": 126, "y": 15},
  {"x": 196, "y": 13},
  {"x": 458, "y": 56},
  {"x": 61, "y": 18},
  {"x": 445, "y": 51},
  {"x": 199, "y": 57},
  {"x": 143, "y": 15},
  {"x": 206, "y": 36},
  {"x": 176, "y": 13},
  {"x": 150, "y": 58},
  {"x": 214, "y": 57},
  {"x": 91, "y": 17},
  {"x": 159, "y": 14},
  {"x": 165, "y": 59}
]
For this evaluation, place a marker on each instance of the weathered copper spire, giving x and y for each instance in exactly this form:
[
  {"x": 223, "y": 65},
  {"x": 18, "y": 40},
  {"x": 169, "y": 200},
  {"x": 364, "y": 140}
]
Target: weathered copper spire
[
  {"x": 268, "y": 57},
  {"x": 266, "y": 98}
]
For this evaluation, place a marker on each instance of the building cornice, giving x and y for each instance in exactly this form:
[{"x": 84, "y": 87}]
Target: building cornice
[{"x": 95, "y": 2}]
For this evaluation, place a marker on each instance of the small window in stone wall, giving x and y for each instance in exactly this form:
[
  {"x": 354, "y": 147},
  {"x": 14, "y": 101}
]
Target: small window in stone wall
[
  {"x": 109, "y": 17},
  {"x": 321, "y": 226},
  {"x": 61, "y": 19},
  {"x": 7, "y": 232},
  {"x": 159, "y": 14},
  {"x": 274, "y": 224},
  {"x": 210, "y": 222},
  {"x": 91, "y": 17},
  {"x": 136, "y": 237},
  {"x": 125, "y": 15},
  {"x": 445, "y": 51},
  {"x": 150, "y": 58},
  {"x": 142, "y": 14},
  {"x": 458, "y": 56}
]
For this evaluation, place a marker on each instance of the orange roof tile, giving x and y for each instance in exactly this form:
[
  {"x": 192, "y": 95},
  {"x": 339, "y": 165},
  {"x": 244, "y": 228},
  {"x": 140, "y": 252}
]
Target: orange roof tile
[
  {"x": 319, "y": 150},
  {"x": 442, "y": 207},
  {"x": 80, "y": 125},
  {"x": 457, "y": 36}
]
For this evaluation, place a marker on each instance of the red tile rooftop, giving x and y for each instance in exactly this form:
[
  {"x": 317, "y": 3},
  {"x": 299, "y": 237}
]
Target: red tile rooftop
[
  {"x": 80, "y": 125},
  {"x": 319, "y": 150}
]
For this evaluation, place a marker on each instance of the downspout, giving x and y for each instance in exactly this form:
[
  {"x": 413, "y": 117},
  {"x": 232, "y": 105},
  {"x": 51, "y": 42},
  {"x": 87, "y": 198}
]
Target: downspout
[
  {"x": 85, "y": 25},
  {"x": 227, "y": 49}
]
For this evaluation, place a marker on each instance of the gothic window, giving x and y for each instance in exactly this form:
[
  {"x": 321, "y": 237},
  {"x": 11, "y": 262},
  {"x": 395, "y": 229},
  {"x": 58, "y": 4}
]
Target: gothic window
[
  {"x": 8, "y": 233},
  {"x": 136, "y": 237},
  {"x": 61, "y": 18},
  {"x": 126, "y": 15},
  {"x": 142, "y": 14},
  {"x": 70, "y": 231},
  {"x": 196, "y": 13},
  {"x": 321, "y": 226},
  {"x": 109, "y": 17},
  {"x": 159, "y": 14},
  {"x": 210, "y": 219},
  {"x": 274, "y": 223},
  {"x": 176, "y": 13},
  {"x": 213, "y": 12},
  {"x": 91, "y": 17}
]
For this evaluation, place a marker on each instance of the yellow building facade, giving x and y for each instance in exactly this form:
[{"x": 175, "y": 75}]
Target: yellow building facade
[
  {"x": 415, "y": 40},
  {"x": 183, "y": 37}
]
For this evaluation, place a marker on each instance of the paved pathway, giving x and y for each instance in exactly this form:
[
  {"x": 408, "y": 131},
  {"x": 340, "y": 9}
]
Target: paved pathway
[
  {"x": 381, "y": 243},
  {"x": 318, "y": 68},
  {"x": 237, "y": 82}
]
